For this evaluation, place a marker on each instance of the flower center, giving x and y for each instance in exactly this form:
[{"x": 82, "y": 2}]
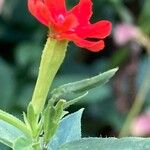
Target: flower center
[{"x": 61, "y": 18}]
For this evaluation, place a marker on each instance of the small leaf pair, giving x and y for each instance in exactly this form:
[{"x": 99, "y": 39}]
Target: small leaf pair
[{"x": 52, "y": 116}]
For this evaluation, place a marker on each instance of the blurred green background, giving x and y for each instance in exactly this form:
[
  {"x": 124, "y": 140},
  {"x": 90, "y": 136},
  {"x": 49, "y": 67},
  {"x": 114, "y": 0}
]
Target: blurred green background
[{"x": 22, "y": 39}]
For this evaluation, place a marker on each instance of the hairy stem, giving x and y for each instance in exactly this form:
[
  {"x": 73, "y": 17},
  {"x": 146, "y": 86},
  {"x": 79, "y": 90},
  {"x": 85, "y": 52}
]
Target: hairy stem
[{"x": 52, "y": 57}]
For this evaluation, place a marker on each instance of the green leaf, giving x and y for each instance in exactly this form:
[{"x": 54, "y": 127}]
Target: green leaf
[
  {"x": 31, "y": 116},
  {"x": 69, "y": 130},
  {"x": 97, "y": 94},
  {"x": 108, "y": 144},
  {"x": 23, "y": 144},
  {"x": 84, "y": 85},
  {"x": 8, "y": 133},
  {"x": 32, "y": 121},
  {"x": 52, "y": 117},
  {"x": 10, "y": 119}
]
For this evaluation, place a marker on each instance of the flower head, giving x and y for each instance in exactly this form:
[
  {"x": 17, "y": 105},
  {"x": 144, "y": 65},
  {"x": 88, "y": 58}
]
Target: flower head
[
  {"x": 123, "y": 33},
  {"x": 141, "y": 125},
  {"x": 72, "y": 25}
]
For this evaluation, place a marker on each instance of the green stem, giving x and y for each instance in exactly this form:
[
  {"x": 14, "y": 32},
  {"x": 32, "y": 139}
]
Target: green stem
[
  {"x": 137, "y": 106},
  {"x": 15, "y": 122},
  {"x": 122, "y": 11},
  {"x": 52, "y": 57}
]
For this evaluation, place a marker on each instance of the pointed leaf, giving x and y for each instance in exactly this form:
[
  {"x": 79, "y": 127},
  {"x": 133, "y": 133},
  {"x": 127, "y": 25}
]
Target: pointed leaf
[
  {"x": 108, "y": 144},
  {"x": 84, "y": 85},
  {"x": 69, "y": 130}
]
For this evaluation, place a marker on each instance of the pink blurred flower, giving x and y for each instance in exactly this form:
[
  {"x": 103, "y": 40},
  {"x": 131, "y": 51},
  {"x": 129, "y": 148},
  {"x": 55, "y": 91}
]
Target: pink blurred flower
[
  {"x": 141, "y": 125},
  {"x": 124, "y": 33}
]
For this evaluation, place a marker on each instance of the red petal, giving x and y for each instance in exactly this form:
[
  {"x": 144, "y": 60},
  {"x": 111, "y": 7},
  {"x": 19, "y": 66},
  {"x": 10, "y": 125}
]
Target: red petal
[
  {"x": 83, "y": 11},
  {"x": 70, "y": 22},
  {"x": 40, "y": 11},
  {"x": 98, "y": 30},
  {"x": 90, "y": 45},
  {"x": 56, "y": 7}
]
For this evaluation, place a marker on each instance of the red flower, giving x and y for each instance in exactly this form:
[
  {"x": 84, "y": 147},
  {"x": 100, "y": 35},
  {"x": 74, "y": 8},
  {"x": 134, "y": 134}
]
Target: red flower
[{"x": 72, "y": 25}]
